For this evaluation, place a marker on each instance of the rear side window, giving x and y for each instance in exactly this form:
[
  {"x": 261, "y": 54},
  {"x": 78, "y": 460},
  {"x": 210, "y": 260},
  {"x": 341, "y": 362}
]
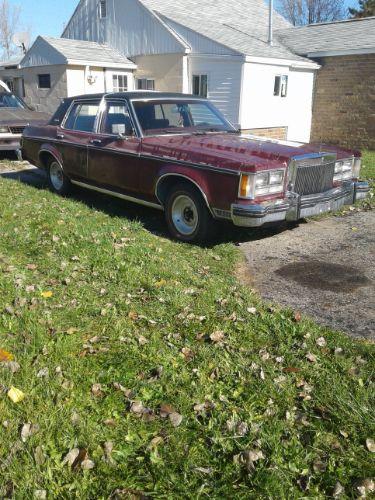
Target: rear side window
[
  {"x": 82, "y": 116},
  {"x": 60, "y": 113}
]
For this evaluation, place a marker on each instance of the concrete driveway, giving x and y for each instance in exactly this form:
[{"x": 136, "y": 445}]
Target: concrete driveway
[{"x": 325, "y": 269}]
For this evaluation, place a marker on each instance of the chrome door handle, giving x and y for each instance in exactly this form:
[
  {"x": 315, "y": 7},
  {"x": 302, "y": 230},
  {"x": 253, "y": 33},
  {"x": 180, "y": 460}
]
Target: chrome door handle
[
  {"x": 60, "y": 136},
  {"x": 96, "y": 142}
]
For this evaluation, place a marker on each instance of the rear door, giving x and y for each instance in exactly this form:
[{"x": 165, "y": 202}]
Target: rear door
[
  {"x": 113, "y": 152},
  {"x": 73, "y": 137}
]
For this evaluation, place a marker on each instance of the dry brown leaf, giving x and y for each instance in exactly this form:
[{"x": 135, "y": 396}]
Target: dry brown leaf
[
  {"x": 175, "y": 419},
  {"x": 311, "y": 357},
  {"x": 370, "y": 443},
  {"x": 96, "y": 390},
  {"x": 217, "y": 337}
]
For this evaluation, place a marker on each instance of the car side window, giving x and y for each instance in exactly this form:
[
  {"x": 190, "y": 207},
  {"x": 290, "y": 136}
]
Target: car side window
[
  {"x": 82, "y": 116},
  {"x": 117, "y": 120}
]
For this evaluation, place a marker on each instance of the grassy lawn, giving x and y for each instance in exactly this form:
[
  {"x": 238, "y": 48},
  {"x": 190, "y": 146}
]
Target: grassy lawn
[{"x": 148, "y": 370}]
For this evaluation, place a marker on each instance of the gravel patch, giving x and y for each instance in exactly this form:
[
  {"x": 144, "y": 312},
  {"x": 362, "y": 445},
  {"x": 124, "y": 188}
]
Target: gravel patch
[{"x": 324, "y": 269}]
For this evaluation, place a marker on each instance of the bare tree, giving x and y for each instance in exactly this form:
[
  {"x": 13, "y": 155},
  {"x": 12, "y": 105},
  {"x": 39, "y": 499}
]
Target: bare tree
[
  {"x": 9, "y": 22},
  {"x": 366, "y": 9},
  {"x": 301, "y": 12}
]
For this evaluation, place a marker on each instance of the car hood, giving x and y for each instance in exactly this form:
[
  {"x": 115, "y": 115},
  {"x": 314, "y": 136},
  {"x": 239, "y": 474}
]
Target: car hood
[
  {"x": 20, "y": 117},
  {"x": 233, "y": 151}
]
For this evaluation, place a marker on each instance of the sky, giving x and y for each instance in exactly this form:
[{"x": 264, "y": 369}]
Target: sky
[{"x": 48, "y": 17}]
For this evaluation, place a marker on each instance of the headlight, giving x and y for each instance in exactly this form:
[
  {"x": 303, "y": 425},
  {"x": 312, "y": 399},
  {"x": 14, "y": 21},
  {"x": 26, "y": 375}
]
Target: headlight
[
  {"x": 4, "y": 130},
  {"x": 343, "y": 169},
  {"x": 261, "y": 184}
]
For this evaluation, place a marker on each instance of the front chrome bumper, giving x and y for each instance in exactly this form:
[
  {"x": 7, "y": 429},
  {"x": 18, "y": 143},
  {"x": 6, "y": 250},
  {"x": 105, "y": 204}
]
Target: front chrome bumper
[{"x": 295, "y": 207}]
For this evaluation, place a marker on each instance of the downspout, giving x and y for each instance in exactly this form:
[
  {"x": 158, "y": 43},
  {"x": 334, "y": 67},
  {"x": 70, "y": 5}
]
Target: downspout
[{"x": 270, "y": 23}]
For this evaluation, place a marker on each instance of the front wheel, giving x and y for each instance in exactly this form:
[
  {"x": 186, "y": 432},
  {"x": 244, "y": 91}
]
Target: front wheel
[
  {"x": 187, "y": 215},
  {"x": 58, "y": 181}
]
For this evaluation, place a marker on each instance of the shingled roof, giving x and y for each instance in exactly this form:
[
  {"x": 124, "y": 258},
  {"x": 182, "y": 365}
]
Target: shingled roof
[
  {"x": 74, "y": 51},
  {"x": 352, "y": 35},
  {"x": 241, "y": 26}
]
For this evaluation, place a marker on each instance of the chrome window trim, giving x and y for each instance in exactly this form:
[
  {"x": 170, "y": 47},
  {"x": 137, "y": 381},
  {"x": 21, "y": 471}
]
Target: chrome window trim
[
  {"x": 75, "y": 101},
  {"x": 187, "y": 98},
  {"x": 102, "y": 111}
]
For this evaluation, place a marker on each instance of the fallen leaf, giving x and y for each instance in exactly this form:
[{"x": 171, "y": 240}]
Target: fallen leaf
[
  {"x": 16, "y": 395},
  {"x": 43, "y": 373},
  {"x": 291, "y": 369},
  {"x": 137, "y": 407},
  {"x": 370, "y": 443},
  {"x": 251, "y": 310},
  {"x": 47, "y": 294},
  {"x": 142, "y": 340},
  {"x": 96, "y": 390},
  {"x": 133, "y": 315},
  {"x": 338, "y": 490},
  {"x": 166, "y": 410},
  {"x": 365, "y": 486},
  {"x": 40, "y": 494},
  {"x": 321, "y": 342},
  {"x": 311, "y": 357},
  {"x": 28, "y": 430},
  {"x": 5, "y": 356},
  {"x": 87, "y": 464},
  {"x": 217, "y": 336},
  {"x": 175, "y": 419},
  {"x": 297, "y": 317},
  {"x": 12, "y": 366}
]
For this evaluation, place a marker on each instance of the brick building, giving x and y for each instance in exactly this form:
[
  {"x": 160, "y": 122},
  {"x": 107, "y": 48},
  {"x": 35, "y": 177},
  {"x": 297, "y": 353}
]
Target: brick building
[{"x": 344, "y": 93}]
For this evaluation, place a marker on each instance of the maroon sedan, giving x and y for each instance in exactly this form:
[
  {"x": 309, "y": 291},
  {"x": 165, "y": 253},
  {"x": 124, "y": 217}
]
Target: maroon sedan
[{"x": 178, "y": 153}]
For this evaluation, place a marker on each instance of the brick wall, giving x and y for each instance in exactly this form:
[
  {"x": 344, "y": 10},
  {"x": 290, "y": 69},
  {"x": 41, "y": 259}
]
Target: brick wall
[
  {"x": 271, "y": 132},
  {"x": 344, "y": 101}
]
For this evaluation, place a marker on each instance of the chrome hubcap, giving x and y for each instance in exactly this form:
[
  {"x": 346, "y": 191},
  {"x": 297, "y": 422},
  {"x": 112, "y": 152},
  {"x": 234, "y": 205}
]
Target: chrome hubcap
[
  {"x": 184, "y": 215},
  {"x": 56, "y": 175}
]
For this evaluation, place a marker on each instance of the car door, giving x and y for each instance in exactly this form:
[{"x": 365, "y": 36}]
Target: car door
[
  {"x": 113, "y": 151},
  {"x": 74, "y": 135}
]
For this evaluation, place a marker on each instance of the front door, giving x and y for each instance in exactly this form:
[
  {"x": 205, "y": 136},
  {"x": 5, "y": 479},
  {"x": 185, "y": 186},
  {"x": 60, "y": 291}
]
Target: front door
[
  {"x": 74, "y": 137},
  {"x": 113, "y": 152}
]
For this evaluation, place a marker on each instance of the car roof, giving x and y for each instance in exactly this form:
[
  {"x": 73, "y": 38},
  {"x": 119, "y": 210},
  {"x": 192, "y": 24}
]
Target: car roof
[{"x": 135, "y": 95}]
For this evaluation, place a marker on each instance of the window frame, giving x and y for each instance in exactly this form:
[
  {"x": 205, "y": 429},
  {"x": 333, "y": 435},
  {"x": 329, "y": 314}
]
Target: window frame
[
  {"x": 103, "y": 9},
  {"x": 120, "y": 75},
  {"x": 104, "y": 111},
  {"x": 281, "y": 85},
  {"x": 146, "y": 80},
  {"x": 80, "y": 102},
  {"x": 44, "y": 75},
  {"x": 199, "y": 76}
]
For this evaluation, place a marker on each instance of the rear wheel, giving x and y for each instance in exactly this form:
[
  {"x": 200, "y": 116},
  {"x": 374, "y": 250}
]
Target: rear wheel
[
  {"x": 187, "y": 215},
  {"x": 58, "y": 181}
]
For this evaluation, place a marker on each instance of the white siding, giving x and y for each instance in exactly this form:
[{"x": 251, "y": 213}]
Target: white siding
[
  {"x": 224, "y": 82},
  {"x": 198, "y": 44},
  {"x": 129, "y": 27},
  {"x": 109, "y": 78},
  {"x": 42, "y": 54},
  {"x": 261, "y": 109}
]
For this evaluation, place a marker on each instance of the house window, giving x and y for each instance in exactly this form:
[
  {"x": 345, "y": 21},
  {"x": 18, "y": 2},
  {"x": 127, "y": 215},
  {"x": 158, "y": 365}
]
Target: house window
[
  {"x": 44, "y": 81},
  {"x": 145, "y": 84},
  {"x": 120, "y": 83},
  {"x": 200, "y": 85},
  {"x": 103, "y": 9},
  {"x": 280, "y": 88}
]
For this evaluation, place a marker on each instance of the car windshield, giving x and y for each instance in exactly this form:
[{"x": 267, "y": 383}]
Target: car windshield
[
  {"x": 11, "y": 101},
  {"x": 179, "y": 117}
]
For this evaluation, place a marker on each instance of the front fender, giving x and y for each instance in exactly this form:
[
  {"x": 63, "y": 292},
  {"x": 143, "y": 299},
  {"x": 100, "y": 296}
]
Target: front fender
[{"x": 219, "y": 189}]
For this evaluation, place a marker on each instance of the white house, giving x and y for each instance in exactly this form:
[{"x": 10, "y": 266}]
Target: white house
[
  {"x": 214, "y": 48},
  {"x": 55, "y": 68}
]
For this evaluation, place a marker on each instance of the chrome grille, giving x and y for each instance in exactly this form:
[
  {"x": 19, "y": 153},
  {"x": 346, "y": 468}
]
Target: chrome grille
[
  {"x": 314, "y": 178},
  {"x": 17, "y": 130}
]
